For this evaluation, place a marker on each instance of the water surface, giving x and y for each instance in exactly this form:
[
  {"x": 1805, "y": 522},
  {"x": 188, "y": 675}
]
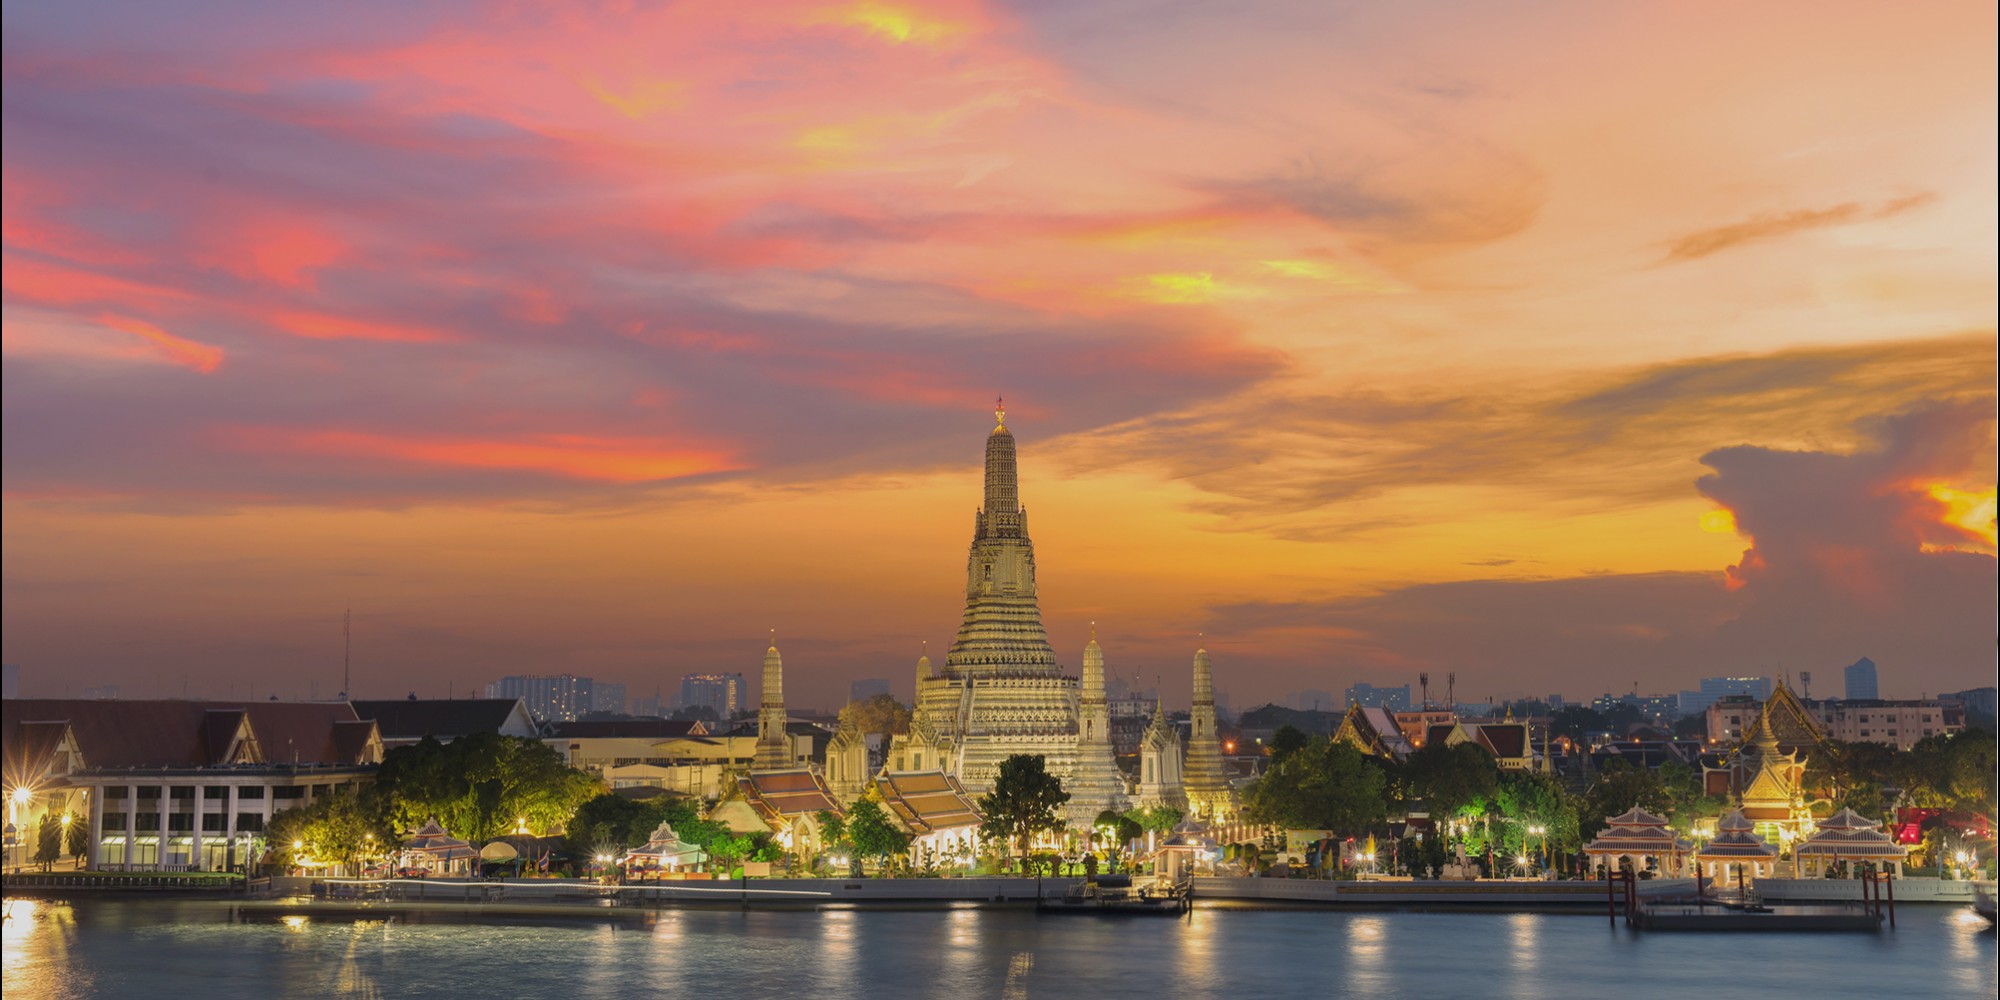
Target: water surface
[{"x": 156, "y": 949}]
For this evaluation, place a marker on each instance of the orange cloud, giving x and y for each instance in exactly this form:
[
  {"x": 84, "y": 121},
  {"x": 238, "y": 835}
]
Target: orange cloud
[
  {"x": 578, "y": 456},
  {"x": 321, "y": 326},
  {"x": 187, "y": 353}
]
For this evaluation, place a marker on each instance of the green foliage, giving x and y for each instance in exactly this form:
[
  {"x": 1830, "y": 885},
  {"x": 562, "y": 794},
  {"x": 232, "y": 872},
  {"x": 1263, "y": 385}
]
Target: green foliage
[
  {"x": 1528, "y": 799},
  {"x": 79, "y": 835},
  {"x": 480, "y": 785},
  {"x": 832, "y": 828},
  {"x": 1448, "y": 779},
  {"x": 1322, "y": 786},
  {"x": 873, "y": 834},
  {"x": 1123, "y": 828},
  {"x": 1026, "y": 800},
  {"x": 1153, "y": 819},
  {"x": 1619, "y": 787},
  {"x": 48, "y": 840},
  {"x": 610, "y": 822},
  {"x": 334, "y": 829},
  {"x": 1286, "y": 741}
]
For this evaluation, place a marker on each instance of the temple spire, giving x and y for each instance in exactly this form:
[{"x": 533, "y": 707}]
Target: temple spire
[
  {"x": 999, "y": 413},
  {"x": 773, "y": 745}
]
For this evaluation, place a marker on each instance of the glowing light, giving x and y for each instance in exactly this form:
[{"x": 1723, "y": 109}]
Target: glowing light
[
  {"x": 1718, "y": 522},
  {"x": 897, "y": 24},
  {"x": 22, "y": 795},
  {"x": 1970, "y": 510},
  {"x": 295, "y": 923}
]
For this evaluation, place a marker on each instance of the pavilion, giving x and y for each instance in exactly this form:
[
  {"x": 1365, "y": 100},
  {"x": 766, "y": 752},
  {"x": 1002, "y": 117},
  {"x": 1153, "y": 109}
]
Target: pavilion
[
  {"x": 940, "y": 816},
  {"x": 1736, "y": 851},
  {"x": 433, "y": 848},
  {"x": 1847, "y": 836},
  {"x": 665, "y": 851},
  {"x": 1638, "y": 835}
]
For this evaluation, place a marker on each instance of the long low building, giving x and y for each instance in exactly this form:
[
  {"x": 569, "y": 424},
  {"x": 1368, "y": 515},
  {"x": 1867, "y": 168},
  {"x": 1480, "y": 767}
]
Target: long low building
[{"x": 173, "y": 785}]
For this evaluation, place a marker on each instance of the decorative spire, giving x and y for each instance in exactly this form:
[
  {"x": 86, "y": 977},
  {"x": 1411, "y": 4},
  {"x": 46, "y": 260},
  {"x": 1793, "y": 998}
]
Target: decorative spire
[{"x": 999, "y": 413}]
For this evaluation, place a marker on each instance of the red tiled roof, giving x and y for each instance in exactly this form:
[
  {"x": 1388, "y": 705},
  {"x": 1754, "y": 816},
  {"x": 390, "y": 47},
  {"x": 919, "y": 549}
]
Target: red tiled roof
[
  {"x": 167, "y": 733},
  {"x": 784, "y": 794},
  {"x": 927, "y": 801}
]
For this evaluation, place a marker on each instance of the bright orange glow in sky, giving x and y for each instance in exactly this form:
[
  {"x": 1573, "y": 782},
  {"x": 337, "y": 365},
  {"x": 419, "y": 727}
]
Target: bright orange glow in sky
[{"x": 1567, "y": 348}]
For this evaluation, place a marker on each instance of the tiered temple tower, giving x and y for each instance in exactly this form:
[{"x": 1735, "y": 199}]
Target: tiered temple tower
[
  {"x": 1000, "y": 691},
  {"x": 774, "y": 748},
  {"x": 1096, "y": 784},
  {"x": 1208, "y": 790}
]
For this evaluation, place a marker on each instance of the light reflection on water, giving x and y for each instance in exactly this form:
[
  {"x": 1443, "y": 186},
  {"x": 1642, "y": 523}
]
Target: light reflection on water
[{"x": 155, "y": 948}]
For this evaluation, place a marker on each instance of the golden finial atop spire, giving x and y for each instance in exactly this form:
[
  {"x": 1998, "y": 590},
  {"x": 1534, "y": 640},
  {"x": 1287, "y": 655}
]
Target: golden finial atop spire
[
  {"x": 774, "y": 638},
  {"x": 999, "y": 413},
  {"x": 1093, "y": 631}
]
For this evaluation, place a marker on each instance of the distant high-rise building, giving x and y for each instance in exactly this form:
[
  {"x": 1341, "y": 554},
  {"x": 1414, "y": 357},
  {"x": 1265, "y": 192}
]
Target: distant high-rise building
[
  {"x": 1714, "y": 688},
  {"x": 1978, "y": 702},
  {"x": 719, "y": 693},
  {"x": 866, "y": 688},
  {"x": 1313, "y": 700},
  {"x": 107, "y": 691},
  {"x": 557, "y": 698},
  {"x": 10, "y": 680},
  {"x": 650, "y": 705},
  {"x": 1861, "y": 683},
  {"x": 607, "y": 697},
  {"x": 1395, "y": 699}
]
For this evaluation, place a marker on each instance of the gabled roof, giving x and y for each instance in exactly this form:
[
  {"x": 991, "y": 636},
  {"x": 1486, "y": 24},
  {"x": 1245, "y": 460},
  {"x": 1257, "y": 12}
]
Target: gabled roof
[
  {"x": 1790, "y": 722},
  {"x": 445, "y": 719},
  {"x": 176, "y": 734},
  {"x": 1373, "y": 731},
  {"x": 227, "y": 737},
  {"x": 638, "y": 729},
  {"x": 1503, "y": 739},
  {"x": 30, "y": 749},
  {"x": 779, "y": 796},
  {"x": 928, "y": 801}
]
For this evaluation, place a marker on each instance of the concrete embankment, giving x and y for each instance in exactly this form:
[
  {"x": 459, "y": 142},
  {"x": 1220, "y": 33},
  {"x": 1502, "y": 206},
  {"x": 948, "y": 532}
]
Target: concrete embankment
[{"x": 1507, "y": 896}]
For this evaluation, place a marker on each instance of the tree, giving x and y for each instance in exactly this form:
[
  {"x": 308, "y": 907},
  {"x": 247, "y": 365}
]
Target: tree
[
  {"x": 1619, "y": 787},
  {"x": 872, "y": 833},
  {"x": 881, "y": 714},
  {"x": 1026, "y": 800},
  {"x": 1448, "y": 779},
  {"x": 48, "y": 840},
  {"x": 1528, "y": 800},
  {"x": 610, "y": 822},
  {"x": 483, "y": 785},
  {"x": 1325, "y": 785},
  {"x": 1154, "y": 819},
  {"x": 336, "y": 829},
  {"x": 1285, "y": 742}
]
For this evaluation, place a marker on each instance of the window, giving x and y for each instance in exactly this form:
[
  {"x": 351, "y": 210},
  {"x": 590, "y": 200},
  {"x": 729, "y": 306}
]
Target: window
[
  {"x": 146, "y": 823},
  {"x": 149, "y": 792},
  {"x": 117, "y": 791},
  {"x": 249, "y": 822},
  {"x": 180, "y": 822},
  {"x": 250, "y": 792},
  {"x": 291, "y": 792},
  {"x": 215, "y": 792},
  {"x": 114, "y": 821},
  {"x": 178, "y": 792},
  {"x": 213, "y": 822}
]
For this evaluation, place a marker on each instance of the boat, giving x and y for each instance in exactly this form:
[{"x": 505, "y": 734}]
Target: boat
[
  {"x": 1118, "y": 894},
  {"x": 1982, "y": 900}
]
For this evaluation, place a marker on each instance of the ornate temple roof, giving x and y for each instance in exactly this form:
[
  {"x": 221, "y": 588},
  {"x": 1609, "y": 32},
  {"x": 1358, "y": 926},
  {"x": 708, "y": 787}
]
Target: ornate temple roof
[
  {"x": 928, "y": 801},
  {"x": 1373, "y": 731},
  {"x": 1736, "y": 839},
  {"x": 1848, "y": 834},
  {"x": 782, "y": 795}
]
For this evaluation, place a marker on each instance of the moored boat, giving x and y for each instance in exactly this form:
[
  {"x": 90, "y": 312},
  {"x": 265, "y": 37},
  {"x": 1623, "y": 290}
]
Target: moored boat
[{"x": 1118, "y": 894}]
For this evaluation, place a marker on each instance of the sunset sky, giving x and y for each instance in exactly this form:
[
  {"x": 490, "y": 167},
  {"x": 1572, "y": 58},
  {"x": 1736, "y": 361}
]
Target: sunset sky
[{"x": 1566, "y": 346}]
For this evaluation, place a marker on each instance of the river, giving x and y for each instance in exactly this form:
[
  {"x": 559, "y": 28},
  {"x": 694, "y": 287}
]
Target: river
[{"x": 155, "y": 949}]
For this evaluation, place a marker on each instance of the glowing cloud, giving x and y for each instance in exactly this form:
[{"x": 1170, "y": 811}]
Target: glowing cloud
[
  {"x": 896, "y": 24},
  {"x": 608, "y": 459},
  {"x": 181, "y": 351}
]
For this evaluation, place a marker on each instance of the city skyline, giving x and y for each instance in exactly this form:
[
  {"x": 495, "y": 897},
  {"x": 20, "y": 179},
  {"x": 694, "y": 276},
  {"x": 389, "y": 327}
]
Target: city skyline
[{"x": 1567, "y": 350}]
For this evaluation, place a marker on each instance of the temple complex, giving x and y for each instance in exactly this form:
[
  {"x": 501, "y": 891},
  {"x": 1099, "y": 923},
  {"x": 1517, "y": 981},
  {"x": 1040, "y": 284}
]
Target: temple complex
[
  {"x": 774, "y": 750},
  {"x": 1160, "y": 764},
  {"x": 1209, "y": 793},
  {"x": 1096, "y": 785},
  {"x": 1772, "y": 799},
  {"x": 1001, "y": 692}
]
